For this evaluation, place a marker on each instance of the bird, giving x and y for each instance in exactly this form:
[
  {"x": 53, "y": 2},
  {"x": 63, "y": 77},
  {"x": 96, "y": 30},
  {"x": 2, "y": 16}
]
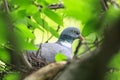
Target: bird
[{"x": 63, "y": 45}]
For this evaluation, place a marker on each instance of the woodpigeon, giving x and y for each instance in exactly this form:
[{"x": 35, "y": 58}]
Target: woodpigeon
[{"x": 63, "y": 45}]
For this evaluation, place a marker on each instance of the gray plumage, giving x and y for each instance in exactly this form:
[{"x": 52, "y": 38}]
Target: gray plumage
[{"x": 48, "y": 51}]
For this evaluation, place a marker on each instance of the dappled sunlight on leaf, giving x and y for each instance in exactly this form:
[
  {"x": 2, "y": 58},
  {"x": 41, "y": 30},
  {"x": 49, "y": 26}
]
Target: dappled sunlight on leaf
[
  {"x": 54, "y": 16},
  {"x": 60, "y": 57}
]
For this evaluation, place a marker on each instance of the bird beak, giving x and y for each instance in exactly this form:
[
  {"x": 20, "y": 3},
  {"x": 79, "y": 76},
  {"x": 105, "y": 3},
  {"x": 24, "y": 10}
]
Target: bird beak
[{"x": 81, "y": 37}]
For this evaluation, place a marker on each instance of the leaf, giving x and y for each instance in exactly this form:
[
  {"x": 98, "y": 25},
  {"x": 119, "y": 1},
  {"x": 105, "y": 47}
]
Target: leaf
[
  {"x": 45, "y": 25},
  {"x": 23, "y": 28},
  {"x": 115, "y": 75},
  {"x": 37, "y": 18},
  {"x": 4, "y": 55},
  {"x": 54, "y": 16},
  {"x": 23, "y": 41},
  {"x": 12, "y": 76},
  {"x": 2, "y": 66},
  {"x": 114, "y": 66},
  {"x": 111, "y": 15},
  {"x": 34, "y": 24},
  {"x": 91, "y": 27},
  {"x": 42, "y": 2},
  {"x": 91, "y": 37},
  {"x": 87, "y": 11},
  {"x": 51, "y": 30},
  {"x": 82, "y": 10},
  {"x": 21, "y": 2},
  {"x": 60, "y": 57},
  {"x": 29, "y": 46},
  {"x": 114, "y": 63},
  {"x": 52, "y": 1},
  {"x": 31, "y": 9},
  {"x": 54, "y": 32},
  {"x": 2, "y": 31}
]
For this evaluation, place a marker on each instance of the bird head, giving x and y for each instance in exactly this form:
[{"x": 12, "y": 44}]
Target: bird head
[{"x": 70, "y": 34}]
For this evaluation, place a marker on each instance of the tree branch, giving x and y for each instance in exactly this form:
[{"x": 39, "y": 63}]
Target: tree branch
[
  {"x": 104, "y": 4},
  {"x": 52, "y": 6},
  {"x": 92, "y": 66},
  {"x": 6, "y": 6}
]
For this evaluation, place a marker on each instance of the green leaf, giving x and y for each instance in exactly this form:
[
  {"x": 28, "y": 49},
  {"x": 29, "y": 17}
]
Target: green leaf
[
  {"x": 18, "y": 15},
  {"x": 4, "y": 55},
  {"x": 31, "y": 9},
  {"x": 29, "y": 46},
  {"x": 83, "y": 10},
  {"x": 90, "y": 27},
  {"x": 12, "y": 76},
  {"x": 42, "y": 2},
  {"x": 114, "y": 66},
  {"x": 54, "y": 32},
  {"x": 111, "y": 15},
  {"x": 23, "y": 41},
  {"x": 45, "y": 25},
  {"x": 37, "y": 18},
  {"x": 52, "y": 1},
  {"x": 60, "y": 57},
  {"x": 23, "y": 28},
  {"x": 91, "y": 37},
  {"x": 114, "y": 63},
  {"x": 21, "y": 2},
  {"x": 115, "y": 75},
  {"x": 54, "y": 16},
  {"x": 34, "y": 24},
  {"x": 51, "y": 30},
  {"x": 87, "y": 11},
  {"x": 2, "y": 31}
]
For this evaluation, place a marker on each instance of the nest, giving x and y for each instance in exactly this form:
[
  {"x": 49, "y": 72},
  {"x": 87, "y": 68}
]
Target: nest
[{"x": 33, "y": 61}]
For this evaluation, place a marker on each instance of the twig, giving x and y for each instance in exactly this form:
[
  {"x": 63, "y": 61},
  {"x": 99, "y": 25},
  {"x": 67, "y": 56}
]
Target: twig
[
  {"x": 37, "y": 53},
  {"x": 104, "y": 4},
  {"x": 56, "y": 6},
  {"x": 52, "y": 6},
  {"x": 43, "y": 25},
  {"x": 77, "y": 49},
  {"x": 38, "y": 60},
  {"x": 52, "y": 35},
  {"x": 6, "y": 6},
  {"x": 14, "y": 67},
  {"x": 95, "y": 45}
]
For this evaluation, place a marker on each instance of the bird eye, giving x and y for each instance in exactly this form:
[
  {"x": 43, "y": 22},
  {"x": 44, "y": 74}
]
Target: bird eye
[{"x": 75, "y": 32}]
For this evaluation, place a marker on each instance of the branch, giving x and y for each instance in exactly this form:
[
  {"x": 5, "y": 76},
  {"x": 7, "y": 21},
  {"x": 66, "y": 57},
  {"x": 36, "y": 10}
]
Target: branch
[
  {"x": 6, "y": 6},
  {"x": 52, "y": 6},
  {"x": 47, "y": 72},
  {"x": 52, "y": 35},
  {"x": 92, "y": 66},
  {"x": 114, "y": 3},
  {"x": 104, "y": 4},
  {"x": 77, "y": 49},
  {"x": 56, "y": 6}
]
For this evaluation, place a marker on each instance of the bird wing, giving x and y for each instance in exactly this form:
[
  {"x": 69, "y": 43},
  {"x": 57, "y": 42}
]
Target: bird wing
[{"x": 49, "y": 50}]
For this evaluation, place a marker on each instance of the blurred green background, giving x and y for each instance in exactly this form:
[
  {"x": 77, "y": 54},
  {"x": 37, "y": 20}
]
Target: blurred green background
[{"x": 24, "y": 23}]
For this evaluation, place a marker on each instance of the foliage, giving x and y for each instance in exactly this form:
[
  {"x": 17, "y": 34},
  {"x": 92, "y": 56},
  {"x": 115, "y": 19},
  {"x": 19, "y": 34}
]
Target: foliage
[
  {"x": 13, "y": 76},
  {"x": 20, "y": 18},
  {"x": 60, "y": 57}
]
